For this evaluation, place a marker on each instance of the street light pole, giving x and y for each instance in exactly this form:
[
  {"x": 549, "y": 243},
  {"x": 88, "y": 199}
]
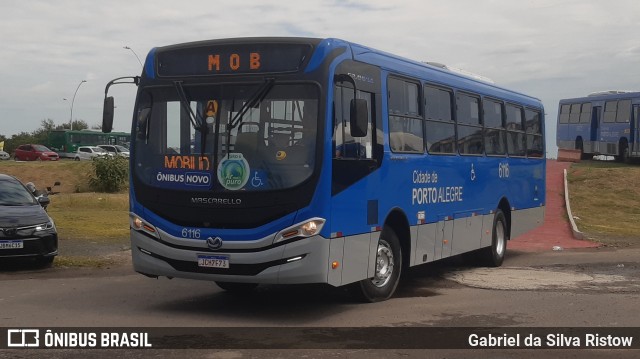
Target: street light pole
[
  {"x": 128, "y": 48},
  {"x": 72, "y": 101}
]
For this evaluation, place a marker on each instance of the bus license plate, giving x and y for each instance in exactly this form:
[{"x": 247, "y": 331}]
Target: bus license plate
[
  {"x": 213, "y": 261},
  {"x": 11, "y": 244}
]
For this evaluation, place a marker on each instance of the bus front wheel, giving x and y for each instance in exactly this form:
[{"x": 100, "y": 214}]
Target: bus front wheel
[
  {"x": 493, "y": 255},
  {"x": 387, "y": 273}
]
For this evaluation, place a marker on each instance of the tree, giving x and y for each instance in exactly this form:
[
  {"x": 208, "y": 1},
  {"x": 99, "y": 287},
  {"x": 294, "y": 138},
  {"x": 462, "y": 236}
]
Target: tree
[
  {"x": 40, "y": 135},
  {"x": 47, "y": 125},
  {"x": 17, "y": 140},
  {"x": 80, "y": 125}
]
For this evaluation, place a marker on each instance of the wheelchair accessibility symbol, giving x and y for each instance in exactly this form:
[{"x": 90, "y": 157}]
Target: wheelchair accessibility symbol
[
  {"x": 473, "y": 173},
  {"x": 256, "y": 181}
]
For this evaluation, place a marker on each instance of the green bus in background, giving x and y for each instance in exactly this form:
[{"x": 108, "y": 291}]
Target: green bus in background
[{"x": 66, "y": 142}]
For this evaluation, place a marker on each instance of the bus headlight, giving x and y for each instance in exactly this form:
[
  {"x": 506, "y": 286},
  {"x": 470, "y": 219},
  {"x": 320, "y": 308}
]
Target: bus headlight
[
  {"x": 310, "y": 228},
  {"x": 140, "y": 225},
  {"x": 305, "y": 229}
]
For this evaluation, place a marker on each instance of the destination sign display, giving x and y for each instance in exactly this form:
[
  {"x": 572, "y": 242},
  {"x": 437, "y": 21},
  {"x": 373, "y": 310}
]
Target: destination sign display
[{"x": 231, "y": 59}]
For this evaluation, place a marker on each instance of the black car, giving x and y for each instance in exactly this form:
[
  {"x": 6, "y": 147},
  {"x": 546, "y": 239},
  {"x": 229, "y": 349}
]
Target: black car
[{"x": 26, "y": 230}]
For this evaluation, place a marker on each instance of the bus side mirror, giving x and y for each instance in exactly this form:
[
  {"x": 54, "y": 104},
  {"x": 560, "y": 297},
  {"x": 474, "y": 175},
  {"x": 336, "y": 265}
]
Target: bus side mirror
[
  {"x": 107, "y": 114},
  {"x": 143, "y": 123},
  {"x": 359, "y": 118}
]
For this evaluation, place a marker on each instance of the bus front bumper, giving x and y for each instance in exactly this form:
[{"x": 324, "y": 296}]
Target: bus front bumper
[{"x": 303, "y": 261}]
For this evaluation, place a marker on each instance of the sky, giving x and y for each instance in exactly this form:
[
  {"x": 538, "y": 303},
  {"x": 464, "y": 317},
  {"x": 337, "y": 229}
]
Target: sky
[{"x": 549, "y": 49}]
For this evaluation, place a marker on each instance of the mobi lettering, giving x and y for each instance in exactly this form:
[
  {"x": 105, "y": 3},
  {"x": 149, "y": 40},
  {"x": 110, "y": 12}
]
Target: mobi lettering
[{"x": 187, "y": 162}]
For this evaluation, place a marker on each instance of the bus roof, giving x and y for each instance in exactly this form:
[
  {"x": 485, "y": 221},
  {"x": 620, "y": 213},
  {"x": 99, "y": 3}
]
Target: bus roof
[
  {"x": 602, "y": 96},
  {"x": 438, "y": 74},
  {"x": 431, "y": 72}
]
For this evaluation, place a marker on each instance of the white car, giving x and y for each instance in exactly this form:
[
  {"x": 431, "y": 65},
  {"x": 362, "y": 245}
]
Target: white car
[
  {"x": 4, "y": 156},
  {"x": 89, "y": 152},
  {"x": 116, "y": 150}
]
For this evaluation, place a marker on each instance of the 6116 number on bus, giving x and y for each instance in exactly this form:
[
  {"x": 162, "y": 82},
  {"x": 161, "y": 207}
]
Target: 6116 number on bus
[{"x": 190, "y": 233}]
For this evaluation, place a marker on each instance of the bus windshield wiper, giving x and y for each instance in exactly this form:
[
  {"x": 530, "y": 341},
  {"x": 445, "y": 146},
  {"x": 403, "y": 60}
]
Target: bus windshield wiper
[
  {"x": 255, "y": 99},
  {"x": 200, "y": 125}
]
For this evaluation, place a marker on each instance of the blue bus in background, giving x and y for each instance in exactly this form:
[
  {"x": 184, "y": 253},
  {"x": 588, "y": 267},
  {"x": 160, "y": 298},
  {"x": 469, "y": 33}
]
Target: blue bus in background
[
  {"x": 299, "y": 160},
  {"x": 603, "y": 123}
]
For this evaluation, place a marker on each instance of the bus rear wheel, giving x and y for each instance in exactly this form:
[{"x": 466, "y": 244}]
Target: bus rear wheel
[
  {"x": 387, "y": 274},
  {"x": 493, "y": 256},
  {"x": 623, "y": 155}
]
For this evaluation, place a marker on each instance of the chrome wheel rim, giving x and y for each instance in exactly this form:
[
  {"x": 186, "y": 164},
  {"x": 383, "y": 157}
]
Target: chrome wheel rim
[
  {"x": 384, "y": 264},
  {"x": 500, "y": 239}
]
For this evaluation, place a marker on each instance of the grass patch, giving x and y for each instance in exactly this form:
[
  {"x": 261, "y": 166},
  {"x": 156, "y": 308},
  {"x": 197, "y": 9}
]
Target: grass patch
[
  {"x": 605, "y": 196},
  {"x": 98, "y": 217},
  {"x": 72, "y": 175},
  {"x": 82, "y": 262}
]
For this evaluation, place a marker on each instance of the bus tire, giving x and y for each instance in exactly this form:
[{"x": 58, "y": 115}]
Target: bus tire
[
  {"x": 234, "y": 287},
  {"x": 623, "y": 155},
  {"x": 580, "y": 146},
  {"x": 387, "y": 273},
  {"x": 493, "y": 255}
]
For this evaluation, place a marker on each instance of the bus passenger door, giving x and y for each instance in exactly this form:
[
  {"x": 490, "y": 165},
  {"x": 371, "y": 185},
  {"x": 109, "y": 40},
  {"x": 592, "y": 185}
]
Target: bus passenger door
[
  {"x": 354, "y": 204},
  {"x": 595, "y": 129}
]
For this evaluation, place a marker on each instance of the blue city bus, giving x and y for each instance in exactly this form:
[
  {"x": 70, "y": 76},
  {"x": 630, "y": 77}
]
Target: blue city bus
[
  {"x": 603, "y": 123},
  {"x": 297, "y": 160}
]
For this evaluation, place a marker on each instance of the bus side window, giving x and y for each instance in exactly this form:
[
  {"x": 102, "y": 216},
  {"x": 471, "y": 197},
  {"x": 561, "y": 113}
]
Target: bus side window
[
  {"x": 405, "y": 120},
  {"x": 440, "y": 127},
  {"x": 516, "y": 141},
  {"x": 495, "y": 133},
  {"x": 533, "y": 125},
  {"x": 469, "y": 125}
]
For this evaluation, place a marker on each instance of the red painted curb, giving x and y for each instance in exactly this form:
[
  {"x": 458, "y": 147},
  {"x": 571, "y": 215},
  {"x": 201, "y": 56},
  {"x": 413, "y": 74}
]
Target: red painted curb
[{"x": 556, "y": 230}]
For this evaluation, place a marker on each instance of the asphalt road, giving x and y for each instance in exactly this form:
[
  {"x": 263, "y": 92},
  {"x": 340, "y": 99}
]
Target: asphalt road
[{"x": 577, "y": 288}]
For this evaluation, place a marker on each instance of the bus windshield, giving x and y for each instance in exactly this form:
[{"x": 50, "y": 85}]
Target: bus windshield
[{"x": 186, "y": 138}]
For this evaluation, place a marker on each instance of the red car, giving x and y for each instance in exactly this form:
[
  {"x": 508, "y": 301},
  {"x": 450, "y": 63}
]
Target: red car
[{"x": 34, "y": 153}]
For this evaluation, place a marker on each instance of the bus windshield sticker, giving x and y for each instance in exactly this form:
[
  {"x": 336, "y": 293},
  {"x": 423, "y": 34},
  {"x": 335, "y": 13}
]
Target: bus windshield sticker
[
  {"x": 281, "y": 155},
  {"x": 180, "y": 179},
  {"x": 212, "y": 108},
  {"x": 233, "y": 171}
]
